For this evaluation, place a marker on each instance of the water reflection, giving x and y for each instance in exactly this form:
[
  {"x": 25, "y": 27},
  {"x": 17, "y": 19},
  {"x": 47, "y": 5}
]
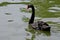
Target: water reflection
[{"x": 35, "y": 33}]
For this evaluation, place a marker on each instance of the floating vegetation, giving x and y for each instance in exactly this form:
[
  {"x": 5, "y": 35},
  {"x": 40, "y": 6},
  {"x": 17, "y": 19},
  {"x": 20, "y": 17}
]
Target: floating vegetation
[
  {"x": 25, "y": 10},
  {"x": 6, "y": 3},
  {"x": 27, "y": 39},
  {"x": 36, "y": 32},
  {"x": 51, "y": 22},
  {"x": 43, "y": 12},
  {"x": 43, "y": 7},
  {"x": 25, "y": 19},
  {"x": 33, "y": 31},
  {"x": 58, "y": 25},
  {"x": 3, "y": 3}
]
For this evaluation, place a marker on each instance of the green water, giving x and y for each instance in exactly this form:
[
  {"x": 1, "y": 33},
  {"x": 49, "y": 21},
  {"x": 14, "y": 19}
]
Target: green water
[
  {"x": 43, "y": 7},
  {"x": 48, "y": 11}
]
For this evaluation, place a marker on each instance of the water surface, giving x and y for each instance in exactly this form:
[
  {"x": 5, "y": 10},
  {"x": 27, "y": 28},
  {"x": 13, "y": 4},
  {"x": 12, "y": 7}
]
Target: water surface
[{"x": 12, "y": 27}]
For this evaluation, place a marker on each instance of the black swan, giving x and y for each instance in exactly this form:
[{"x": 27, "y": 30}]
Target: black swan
[{"x": 40, "y": 25}]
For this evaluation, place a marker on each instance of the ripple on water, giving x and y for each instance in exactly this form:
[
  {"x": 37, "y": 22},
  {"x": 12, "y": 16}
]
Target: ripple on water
[
  {"x": 51, "y": 19},
  {"x": 51, "y": 1},
  {"x": 10, "y": 20},
  {"x": 7, "y": 13},
  {"x": 54, "y": 9}
]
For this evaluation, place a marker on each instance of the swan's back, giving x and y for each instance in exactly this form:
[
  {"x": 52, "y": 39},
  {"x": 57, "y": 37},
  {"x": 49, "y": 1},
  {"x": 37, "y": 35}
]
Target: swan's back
[{"x": 40, "y": 25}]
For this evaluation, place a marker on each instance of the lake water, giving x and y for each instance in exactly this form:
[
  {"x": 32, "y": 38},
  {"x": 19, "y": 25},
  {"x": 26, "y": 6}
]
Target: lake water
[
  {"x": 14, "y": 0},
  {"x": 12, "y": 27}
]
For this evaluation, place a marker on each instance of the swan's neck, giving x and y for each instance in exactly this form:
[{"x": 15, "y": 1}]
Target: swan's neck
[{"x": 32, "y": 16}]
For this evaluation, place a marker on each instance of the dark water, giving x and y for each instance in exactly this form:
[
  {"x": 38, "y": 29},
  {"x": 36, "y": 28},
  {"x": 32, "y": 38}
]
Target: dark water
[{"x": 12, "y": 27}]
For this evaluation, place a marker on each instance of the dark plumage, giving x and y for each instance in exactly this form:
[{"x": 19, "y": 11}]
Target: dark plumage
[{"x": 39, "y": 25}]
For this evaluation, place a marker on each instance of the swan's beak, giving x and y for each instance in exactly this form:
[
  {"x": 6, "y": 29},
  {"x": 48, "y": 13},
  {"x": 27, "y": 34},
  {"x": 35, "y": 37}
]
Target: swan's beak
[{"x": 27, "y": 8}]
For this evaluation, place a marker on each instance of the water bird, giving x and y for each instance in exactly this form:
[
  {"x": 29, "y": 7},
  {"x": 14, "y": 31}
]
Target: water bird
[{"x": 39, "y": 25}]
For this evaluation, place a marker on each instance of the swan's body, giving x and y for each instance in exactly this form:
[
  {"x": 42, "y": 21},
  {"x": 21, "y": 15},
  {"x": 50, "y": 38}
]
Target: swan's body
[{"x": 40, "y": 25}]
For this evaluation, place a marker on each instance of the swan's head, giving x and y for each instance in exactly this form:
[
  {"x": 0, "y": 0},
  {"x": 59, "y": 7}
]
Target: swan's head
[{"x": 30, "y": 6}]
